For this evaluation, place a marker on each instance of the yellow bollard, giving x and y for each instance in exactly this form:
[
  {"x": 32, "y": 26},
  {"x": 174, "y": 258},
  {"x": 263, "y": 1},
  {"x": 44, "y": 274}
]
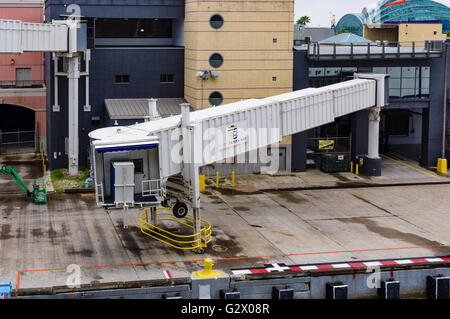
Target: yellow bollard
[
  {"x": 357, "y": 169},
  {"x": 442, "y": 166},
  {"x": 208, "y": 272},
  {"x": 207, "y": 174},
  {"x": 351, "y": 167},
  {"x": 202, "y": 183},
  {"x": 217, "y": 180},
  {"x": 233, "y": 179}
]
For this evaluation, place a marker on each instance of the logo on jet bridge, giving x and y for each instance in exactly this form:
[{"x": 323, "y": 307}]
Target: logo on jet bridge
[{"x": 235, "y": 135}]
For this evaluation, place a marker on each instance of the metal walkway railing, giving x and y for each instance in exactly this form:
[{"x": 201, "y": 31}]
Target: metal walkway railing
[{"x": 184, "y": 242}]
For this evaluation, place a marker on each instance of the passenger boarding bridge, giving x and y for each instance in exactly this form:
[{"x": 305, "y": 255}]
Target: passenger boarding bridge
[{"x": 157, "y": 162}]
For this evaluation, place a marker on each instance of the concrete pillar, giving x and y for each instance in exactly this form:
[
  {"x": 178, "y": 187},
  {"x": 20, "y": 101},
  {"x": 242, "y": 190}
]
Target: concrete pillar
[
  {"x": 185, "y": 119},
  {"x": 374, "y": 133},
  {"x": 153, "y": 217},
  {"x": 372, "y": 163},
  {"x": 73, "y": 77},
  {"x": 299, "y": 152}
]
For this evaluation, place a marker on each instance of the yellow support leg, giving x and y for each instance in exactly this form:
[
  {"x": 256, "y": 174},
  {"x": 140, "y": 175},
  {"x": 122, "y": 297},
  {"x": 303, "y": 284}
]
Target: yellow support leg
[
  {"x": 442, "y": 166},
  {"x": 217, "y": 180},
  {"x": 357, "y": 169},
  {"x": 202, "y": 183},
  {"x": 233, "y": 179}
]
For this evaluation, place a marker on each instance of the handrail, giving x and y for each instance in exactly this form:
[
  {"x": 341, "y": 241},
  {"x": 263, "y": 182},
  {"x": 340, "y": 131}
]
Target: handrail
[
  {"x": 183, "y": 242},
  {"x": 150, "y": 191}
]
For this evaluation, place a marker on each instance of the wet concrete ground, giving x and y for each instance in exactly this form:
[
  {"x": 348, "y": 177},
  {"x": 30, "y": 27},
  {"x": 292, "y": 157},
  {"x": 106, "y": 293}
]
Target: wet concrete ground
[{"x": 311, "y": 226}]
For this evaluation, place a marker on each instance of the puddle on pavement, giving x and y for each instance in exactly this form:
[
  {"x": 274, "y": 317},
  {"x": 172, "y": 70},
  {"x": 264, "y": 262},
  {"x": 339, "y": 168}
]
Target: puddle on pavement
[
  {"x": 392, "y": 233},
  {"x": 83, "y": 252},
  {"x": 242, "y": 208}
]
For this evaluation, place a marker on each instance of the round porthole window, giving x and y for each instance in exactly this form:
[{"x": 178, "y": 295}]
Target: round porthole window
[
  {"x": 216, "y": 21},
  {"x": 215, "y": 98},
  {"x": 216, "y": 60}
]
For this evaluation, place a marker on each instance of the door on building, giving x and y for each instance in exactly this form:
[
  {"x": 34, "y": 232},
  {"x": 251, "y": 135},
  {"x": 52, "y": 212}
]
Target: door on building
[{"x": 281, "y": 151}]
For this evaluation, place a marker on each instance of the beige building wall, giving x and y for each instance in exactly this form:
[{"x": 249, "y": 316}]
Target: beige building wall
[
  {"x": 406, "y": 33},
  {"x": 420, "y": 32},
  {"x": 381, "y": 34},
  {"x": 255, "y": 41}
]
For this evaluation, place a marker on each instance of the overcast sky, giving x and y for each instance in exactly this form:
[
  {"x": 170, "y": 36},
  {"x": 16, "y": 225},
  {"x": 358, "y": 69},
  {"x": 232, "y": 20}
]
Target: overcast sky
[{"x": 320, "y": 11}]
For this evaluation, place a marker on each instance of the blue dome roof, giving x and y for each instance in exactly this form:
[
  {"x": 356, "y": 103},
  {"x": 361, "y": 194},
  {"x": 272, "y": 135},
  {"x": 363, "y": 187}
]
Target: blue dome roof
[{"x": 411, "y": 10}]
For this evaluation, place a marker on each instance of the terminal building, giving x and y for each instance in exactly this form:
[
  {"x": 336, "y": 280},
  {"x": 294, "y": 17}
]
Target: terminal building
[
  {"x": 22, "y": 89},
  {"x": 412, "y": 123},
  {"x": 204, "y": 52}
]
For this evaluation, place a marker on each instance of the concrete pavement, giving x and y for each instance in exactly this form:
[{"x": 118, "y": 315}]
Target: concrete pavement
[{"x": 39, "y": 242}]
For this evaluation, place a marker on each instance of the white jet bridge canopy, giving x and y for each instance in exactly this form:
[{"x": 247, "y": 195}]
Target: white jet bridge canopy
[
  {"x": 261, "y": 122},
  {"x": 185, "y": 142}
]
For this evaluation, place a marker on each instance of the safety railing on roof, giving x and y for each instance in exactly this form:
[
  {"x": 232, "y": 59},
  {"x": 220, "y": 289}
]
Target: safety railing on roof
[
  {"x": 197, "y": 240},
  {"x": 374, "y": 50}
]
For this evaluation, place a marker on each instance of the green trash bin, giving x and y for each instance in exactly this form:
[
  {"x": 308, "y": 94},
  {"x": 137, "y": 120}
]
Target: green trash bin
[{"x": 335, "y": 163}]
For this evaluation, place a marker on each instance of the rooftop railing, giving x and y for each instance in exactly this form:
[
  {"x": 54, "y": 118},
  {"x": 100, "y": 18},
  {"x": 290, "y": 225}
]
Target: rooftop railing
[{"x": 375, "y": 50}]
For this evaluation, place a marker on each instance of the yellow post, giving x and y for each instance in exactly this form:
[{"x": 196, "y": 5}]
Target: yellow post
[
  {"x": 207, "y": 174},
  {"x": 208, "y": 272},
  {"x": 351, "y": 167},
  {"x": 233, "y": 179},
  {"x": 442, "y": 166},
  {"x": 357, "y": 169},
  {"x": 202, "y": 183},
  {"x": 217, "y": 180}
]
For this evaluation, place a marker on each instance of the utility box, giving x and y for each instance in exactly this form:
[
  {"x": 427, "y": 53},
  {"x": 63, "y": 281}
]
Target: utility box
[
  {"x": 390, "y": 289},
  {"x": 5, "y": 289},
  {"x": 282, "y": 293},
  {"x": 335, "y": 163},
  {"x": 224, "y": 294},
  {"x": 336, "y": 291},
  {"x": 123, "y": 183}
]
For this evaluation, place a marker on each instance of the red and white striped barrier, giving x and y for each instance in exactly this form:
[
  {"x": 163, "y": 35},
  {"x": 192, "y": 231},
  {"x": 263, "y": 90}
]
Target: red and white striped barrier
[
  {"x": 167, "y": 274},
  {"x": 380, "y": 263}
]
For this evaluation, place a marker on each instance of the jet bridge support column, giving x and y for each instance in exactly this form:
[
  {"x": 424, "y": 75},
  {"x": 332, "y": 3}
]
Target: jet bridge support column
[
  {"x": 372, "y": 165},
  {"x": 191, "y": 160}
]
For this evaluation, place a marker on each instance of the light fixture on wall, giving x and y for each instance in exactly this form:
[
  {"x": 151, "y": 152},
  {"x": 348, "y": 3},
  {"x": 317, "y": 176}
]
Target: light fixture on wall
[
  {"x": 204, "y": 74},
  {"x": 13, "y": 61}
]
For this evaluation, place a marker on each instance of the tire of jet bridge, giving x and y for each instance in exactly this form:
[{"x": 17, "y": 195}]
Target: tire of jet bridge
[{"x": 180, "y": 210}]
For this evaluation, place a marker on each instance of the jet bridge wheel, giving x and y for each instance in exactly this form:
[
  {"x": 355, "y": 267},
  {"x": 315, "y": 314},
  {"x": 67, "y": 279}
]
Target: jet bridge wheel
[{"x": 180, "y": 210}]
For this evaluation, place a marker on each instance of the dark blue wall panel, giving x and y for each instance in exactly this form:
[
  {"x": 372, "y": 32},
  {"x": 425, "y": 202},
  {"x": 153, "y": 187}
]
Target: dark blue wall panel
[{"x": 144, "y": 67}]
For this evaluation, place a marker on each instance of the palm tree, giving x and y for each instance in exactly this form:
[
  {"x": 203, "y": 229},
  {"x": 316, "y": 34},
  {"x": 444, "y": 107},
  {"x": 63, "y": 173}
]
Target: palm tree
[
  {"x": 304, "y": 20},
  {"x": 342, "y": 30}
]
